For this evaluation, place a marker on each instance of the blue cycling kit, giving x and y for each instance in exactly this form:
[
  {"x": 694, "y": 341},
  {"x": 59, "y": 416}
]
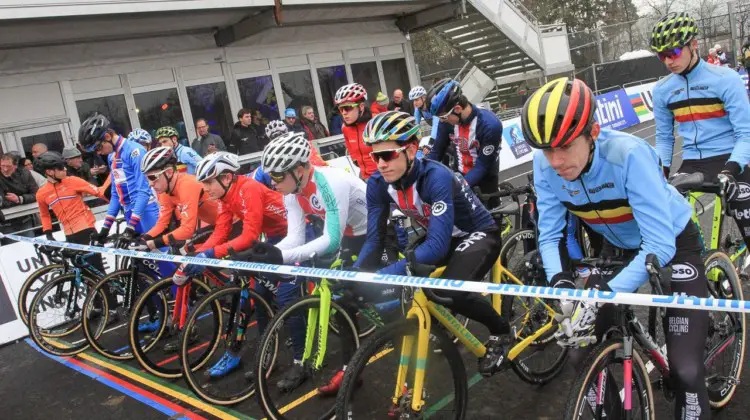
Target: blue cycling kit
[
  {"x": 262, "y": 177},
  {"x": 188, "y": 157},
  {"x": 433, "y": 196},
  {"x": 418, "y": 114},
  {"x": 711, "y": 108},
  {"x": 623, "y": 196},
  {"x": 477, "y": 141},
  {"x": 130, "y": 189}
]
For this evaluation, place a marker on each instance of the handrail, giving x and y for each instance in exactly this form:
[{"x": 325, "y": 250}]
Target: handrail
[{"x": 640, "y": 82}]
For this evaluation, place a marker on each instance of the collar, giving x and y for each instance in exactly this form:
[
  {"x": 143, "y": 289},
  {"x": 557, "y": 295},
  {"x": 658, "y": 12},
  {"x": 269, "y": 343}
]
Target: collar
[
  {"x": 117, "y": 145},
  {"x": 310, "y": 188},
  {"x": 410, "y": 178},
  {"x": 592, "y": 169},
  {"x": 695, "y": 69},
  {"x": 228, "y": 197},
  {"x": 471, "y": 116}
]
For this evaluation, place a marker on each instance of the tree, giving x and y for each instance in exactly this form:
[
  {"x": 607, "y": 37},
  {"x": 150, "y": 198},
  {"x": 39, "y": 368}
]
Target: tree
[
  {"x": 433, "y": 54},
  {"x": 662, "y": 7}
]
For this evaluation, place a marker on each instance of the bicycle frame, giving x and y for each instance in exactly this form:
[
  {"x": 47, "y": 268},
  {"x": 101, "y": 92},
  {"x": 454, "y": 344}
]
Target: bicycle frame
[{"x": 716, "y": 221}]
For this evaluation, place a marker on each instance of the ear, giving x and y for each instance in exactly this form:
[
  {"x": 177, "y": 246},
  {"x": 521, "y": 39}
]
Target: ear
[
  {"x": 596, "y": 129},
  {"x": 411, "y": 150},
  {"x": 361, "y": 107}
]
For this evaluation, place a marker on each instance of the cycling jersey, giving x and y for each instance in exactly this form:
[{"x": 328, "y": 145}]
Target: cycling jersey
[
  {"x": 187, "y": 157},
  {"x": 261, "y": 176},
  {"x": 188, "y": 204},
  {"x": 712, "y": 112},
  {"x": 436, "y": 198},
  {"x": 65, "y": 198},
  {"x": 130, "y": 190},
  {"x": 435, "y": 122},
  {"x": 260, "y": 209},
  {"x": 477, "y": 141},
  {"x": 623, "y": 196},
  {"x": 336, "y": 196},
  {"x": 355, "y": 145}
]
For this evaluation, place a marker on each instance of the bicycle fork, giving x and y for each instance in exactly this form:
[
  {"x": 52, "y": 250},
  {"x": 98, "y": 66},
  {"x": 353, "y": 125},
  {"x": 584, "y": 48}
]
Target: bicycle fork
[
  {"x": 318, "y": 317},
  {"x": 603, "y": 385},
  {"x": 72, "y": 295},
  {"x": 419, "y": 311}
]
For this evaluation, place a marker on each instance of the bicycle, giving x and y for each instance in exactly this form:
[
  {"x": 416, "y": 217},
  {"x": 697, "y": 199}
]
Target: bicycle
[
  {"x": 328, "y": 330},
  {"x": 57, "y": 309},
  {"x": 407, "y": 346},
  {"x": 631, "y": 392}
]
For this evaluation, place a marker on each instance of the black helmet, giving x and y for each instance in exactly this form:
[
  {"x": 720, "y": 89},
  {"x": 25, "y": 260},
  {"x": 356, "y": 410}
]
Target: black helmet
[
  {"x": 92, "y": 130},
  {"x": 443, "y": 96},
  {"x": 48, "y": 160}
]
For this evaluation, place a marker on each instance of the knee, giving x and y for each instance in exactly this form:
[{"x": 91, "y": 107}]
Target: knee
[{"x": 687, "y": 376}]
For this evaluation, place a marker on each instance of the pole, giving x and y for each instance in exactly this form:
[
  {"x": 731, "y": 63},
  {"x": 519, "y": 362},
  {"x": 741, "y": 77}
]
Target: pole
[
  {"x": 599, "y": 45},
  {"x": 733, "y": 29},
  {"x": 593, "y": 71}
]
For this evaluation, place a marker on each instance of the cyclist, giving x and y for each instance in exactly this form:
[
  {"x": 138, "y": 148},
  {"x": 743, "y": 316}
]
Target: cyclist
[
  {"x": 350, "y": 101},
  {"x": 418, "y": 97},
  {"x": 179, "y": 195},
  {"x": 130, "y": 191},
  {"x": 260, "y": 209},
  {"x": 712, "y": 112},
  {"x": 475, "y": 133},
  {"x": 141, "y": 137},
  {"x": 168, "y": 137},
  {"x": 442, "y": 202},
  {"x": 63, "y": 195},
  {"x": 277, "y": 127},
  {"x": 613, "y": 182},
  {"x": 336, "y": 196}
]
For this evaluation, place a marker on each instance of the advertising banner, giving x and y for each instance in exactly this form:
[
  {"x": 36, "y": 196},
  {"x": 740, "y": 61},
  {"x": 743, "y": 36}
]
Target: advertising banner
[
  {"x": 613, "y": 110},
  {"x": 641, "y": 99},
  {"x": 513, "y": 149}
]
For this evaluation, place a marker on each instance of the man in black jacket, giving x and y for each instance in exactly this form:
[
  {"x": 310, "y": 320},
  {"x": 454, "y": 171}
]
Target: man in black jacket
[
  {"x": 244, "y": 139},
  {"x": 17, "y": 187}
]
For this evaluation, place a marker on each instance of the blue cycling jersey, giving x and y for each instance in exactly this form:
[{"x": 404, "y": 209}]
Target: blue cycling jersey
[
  {"x": 623, "y": 196},
  {"x": 434, "y": 197},
  {"x": 130, "y": 190},
  {"x": 262, "y": 177},
  {"x": 435, "y": 122},
  {"x": 477, "y": 141},
  {"x": 188, "y": 157},
  {"x": 712, "y": 112}
]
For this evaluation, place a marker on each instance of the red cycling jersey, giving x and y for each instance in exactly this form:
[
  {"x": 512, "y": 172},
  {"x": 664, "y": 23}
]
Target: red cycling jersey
[
  {"x": 260, "y": 209},
  {"x": 358, "y": 150}
]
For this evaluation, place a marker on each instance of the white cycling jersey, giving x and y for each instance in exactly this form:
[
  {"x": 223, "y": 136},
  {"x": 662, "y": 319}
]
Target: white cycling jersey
[{"x": 336, "y": 196}]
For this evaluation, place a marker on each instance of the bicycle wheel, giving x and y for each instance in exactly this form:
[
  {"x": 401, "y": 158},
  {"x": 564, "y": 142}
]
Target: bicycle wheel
[
  {"x": 108, "y": 334},
  {"x": 155, "y": 343},
  {"x": 208, "y": 340},
  {"x": 283, "y": 343},
  {"x": 604, "y": 368},
  {"x": 516, "y": 246},
  {"x": 33, "y": 284},
  {"x": 55, "y": 315},
  {"x": 725, "y": 344},
  {"x": 543, "y": 360},
  {"x": 370, "y": 378}
]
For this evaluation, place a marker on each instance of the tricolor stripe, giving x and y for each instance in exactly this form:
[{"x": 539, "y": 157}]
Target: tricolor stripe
[
  {"x": 603, "y": 212},
  {"x": 696, "y": 109},
  {"x": 67, "y": 197}
]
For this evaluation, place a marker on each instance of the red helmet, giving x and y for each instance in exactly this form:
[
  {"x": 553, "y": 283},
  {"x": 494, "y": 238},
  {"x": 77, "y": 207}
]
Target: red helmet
[{"x": 350, "y": 94}]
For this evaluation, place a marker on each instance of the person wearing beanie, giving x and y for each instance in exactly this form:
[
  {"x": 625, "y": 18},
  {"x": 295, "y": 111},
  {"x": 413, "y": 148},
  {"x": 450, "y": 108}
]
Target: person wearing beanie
[
  {"x": 290, "y": 119},
  {"x": 380, "y": 104}
]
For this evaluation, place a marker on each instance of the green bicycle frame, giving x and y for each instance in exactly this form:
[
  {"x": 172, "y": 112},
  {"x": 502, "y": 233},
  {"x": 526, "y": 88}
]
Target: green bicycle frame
[{"x": 716, "y": 220}]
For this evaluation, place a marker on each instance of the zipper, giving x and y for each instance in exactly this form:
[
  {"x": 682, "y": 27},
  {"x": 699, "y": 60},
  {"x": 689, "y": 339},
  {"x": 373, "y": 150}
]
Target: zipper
[{"x": 585, "y": 191}]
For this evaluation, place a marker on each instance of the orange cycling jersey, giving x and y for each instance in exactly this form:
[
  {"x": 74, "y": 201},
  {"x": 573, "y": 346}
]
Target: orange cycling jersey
[
  {"x": 65, "y": 198},
  {"x": 188, "y": 204},
  {"x": 260, "y": 209}
]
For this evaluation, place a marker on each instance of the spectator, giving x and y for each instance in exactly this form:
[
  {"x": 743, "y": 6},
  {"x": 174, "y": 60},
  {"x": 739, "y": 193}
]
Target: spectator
[
  {"x": 399, "y": 103},
  {"x": 336, "y": 122},
  {"x": 76, "y": 166},
  {"x": 712, "y": 57},
  {"x": 380, "y": 104},
  {"x": 721, "y": 54},
  {"x": 17, "y": 187},
  {"x": 260, "y": 128},
  {"x": 38, "y": 149},
  {"x": 206, "y": 142},
  {"x": 290, "y": 119},
  {"x": 312, "y": 126},
  {"x": 243, "y": 139},
  {"x": 38, "y": 178}
]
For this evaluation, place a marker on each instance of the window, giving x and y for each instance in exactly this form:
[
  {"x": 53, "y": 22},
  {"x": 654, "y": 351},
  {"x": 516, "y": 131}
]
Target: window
[
  {"x": 298, "y": 90},
  {"x": 258, "y": 93},
  {"x": 366, "y": 74},
  {"x": 331, "y": 79},
  {"x": 396, "y": 76},
  {"x": 159, "y": 108},
  {"x": 113, "y": 107},
  {"x": 210, "y": 101},
  {"x": 53, "y": 140}
]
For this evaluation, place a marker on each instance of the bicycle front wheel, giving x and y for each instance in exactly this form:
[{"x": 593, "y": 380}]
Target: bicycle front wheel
[
  {"x": 33, "y": 284},
  {"x": 282, "y": 354},
  {"x": 599, "y": 389},
  {"x": 370, "y": 380},
  {"x": 725, "y": 344}
]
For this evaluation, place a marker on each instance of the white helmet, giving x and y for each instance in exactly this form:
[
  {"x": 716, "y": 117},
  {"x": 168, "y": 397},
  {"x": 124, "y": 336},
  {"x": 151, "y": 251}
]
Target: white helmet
[
  {"x": 417, "y": 92},
  {"x": 158, "y": 158},
  {"x": 276, "y": 128},
  {"x": 286, "y": 152},
  {"x": 717, "y": 46},
  {"x": 350, "y": 94},
  {"x": 215, "y": 164}
]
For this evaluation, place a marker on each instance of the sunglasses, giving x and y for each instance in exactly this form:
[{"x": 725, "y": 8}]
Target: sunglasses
[
  {"x": 277, "y": 177},
  {"x": 347, "y": 107},
  {"x": 154, "y": 177},
  {"x": 448, "y": 114},
  {"x": 386, "y": 155},
  {"x": 671, "y": 53}
]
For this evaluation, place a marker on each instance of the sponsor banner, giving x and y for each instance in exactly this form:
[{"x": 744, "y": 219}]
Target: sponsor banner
[
  {"x": 513, "y": 148},
  {"x": 613, "y": 110},
  {"x": 345, "y": 163},
  {"x": 543, "y": 292},
  {"x": 641, "y": 99}
]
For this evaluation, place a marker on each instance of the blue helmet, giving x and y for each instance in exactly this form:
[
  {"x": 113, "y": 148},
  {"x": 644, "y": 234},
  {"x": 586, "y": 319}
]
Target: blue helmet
[
  {"x": 443, "y": 96},
  {"x": 140, "y": 136}
]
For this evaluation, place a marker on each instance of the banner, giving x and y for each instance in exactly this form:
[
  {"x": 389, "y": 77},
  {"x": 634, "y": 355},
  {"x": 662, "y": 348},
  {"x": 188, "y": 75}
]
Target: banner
[
  {"x": 641, "y": 99},
  {"x": 613, "y": 110},
  {"x": 513, "y": 148}
]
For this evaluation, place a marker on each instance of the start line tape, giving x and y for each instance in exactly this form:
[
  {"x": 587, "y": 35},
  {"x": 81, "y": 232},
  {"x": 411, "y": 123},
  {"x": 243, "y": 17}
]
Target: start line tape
[{"x": 587, "y": 295}]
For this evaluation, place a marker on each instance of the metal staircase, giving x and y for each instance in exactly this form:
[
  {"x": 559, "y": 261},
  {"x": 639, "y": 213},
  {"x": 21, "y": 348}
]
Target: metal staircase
[{"x": 507, "y": 46}]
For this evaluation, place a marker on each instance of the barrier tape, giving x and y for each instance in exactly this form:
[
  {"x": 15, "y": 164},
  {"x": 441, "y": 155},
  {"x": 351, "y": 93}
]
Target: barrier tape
[{"x": 587, "y": 295}]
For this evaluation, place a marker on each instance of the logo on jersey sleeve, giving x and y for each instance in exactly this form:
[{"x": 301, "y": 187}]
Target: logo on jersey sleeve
[
  {"x": 135, "y": 153},
  {"x": 438, "y": 208},
  {"x": 488, "y": 150},
  {"x": 315, "y": 203}
]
